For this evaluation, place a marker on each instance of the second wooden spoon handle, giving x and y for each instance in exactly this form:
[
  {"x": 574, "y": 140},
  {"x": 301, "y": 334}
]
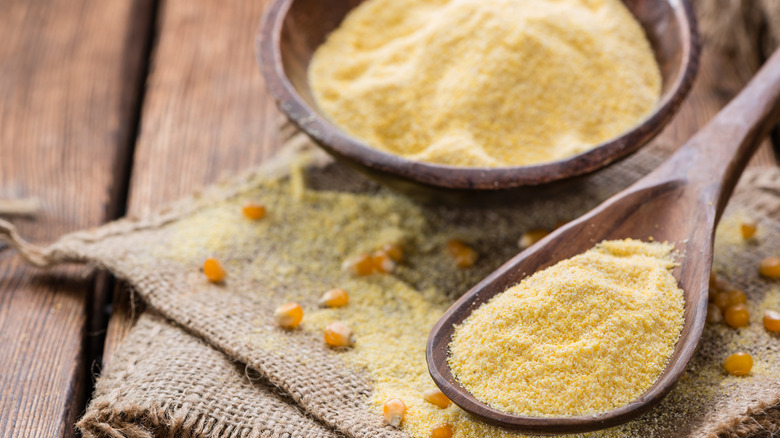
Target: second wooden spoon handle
[{"x": 713, "y": 159}]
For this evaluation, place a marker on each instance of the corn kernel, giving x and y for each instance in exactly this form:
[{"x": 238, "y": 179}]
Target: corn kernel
[
  {"x": 214, "y": 270},
  {"x": 738, "y": 364},
  {"x": 718, "y": 284},
  {"x": 360, "y": 265},
  {"x": 395, "y": 251},
  {"x": 394, "y": 411},
  {"x": 772, "y": 321},
  {"x": 253, "y": 210},
  {"x": 382, "y": 262},
  {"x": 748, "y": 228},
  {"x": 714, "y": 314},
  {"x": 443, "y": 430},
  {"x": 530, "y": 237},
  {"x": 338, "y": 335},
  {"x": 288, "y": 315},
  {"x": 436, "y": 397},
  {"x": 737, "y": 315},
  {"x": 464, "y": 255},
  {"x": 770, "y": 267},
  {"x": 736, "y": 296},
  {"x": 334, "y": 298},
  {"x": 722, "y": 300}
]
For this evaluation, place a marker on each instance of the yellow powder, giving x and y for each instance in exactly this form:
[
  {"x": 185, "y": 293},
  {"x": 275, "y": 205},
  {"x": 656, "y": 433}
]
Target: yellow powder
[
  {"x": 486, "y": 82},
  {"x": 586, "y": 335},
  {"x": 391, "y": 315}
]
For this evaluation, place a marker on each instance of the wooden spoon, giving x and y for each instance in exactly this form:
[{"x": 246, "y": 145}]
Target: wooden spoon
[{"x": 680, "y": 202}]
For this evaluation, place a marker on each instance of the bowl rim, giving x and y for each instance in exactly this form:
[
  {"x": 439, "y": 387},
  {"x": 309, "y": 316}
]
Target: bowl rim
[{"x": 340, "y": 144}]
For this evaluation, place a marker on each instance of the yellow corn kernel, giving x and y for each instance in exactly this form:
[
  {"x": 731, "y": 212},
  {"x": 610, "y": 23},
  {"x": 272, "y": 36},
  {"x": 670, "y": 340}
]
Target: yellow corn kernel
[
  {"x": 334, "y": 298},
  {"x": 214, "y": 270},
  {"x": 530, "y": 237},
  {"x": 738, "y": 364},
  {"x": 713, "y": 279},
  {"x": 253, "y": 210},
  {"x": 721, "y": 300},
  {"x": 464, "y": 255},
  {"x": 718, "y": 284},
  {"x": 436, "y": 397},
  {"x": 360, "y": 265},
  {"x": 748, "y": 228},
  {"x": 394, "y": 411},
  {"x": 772, "y": 321},
  {"x": 770, "y": 267},
  {"x": 338, "y": 335},
  {"x": 736, "y": 296},
  {"x": 395, "y": 251},
  {"x": 714, "y": 314},
  {"x": 382, "y": 262},
  {"x": 288, "y": 315},
  {"x": 737, "y": 315},
  {"x": 443, "y": 430}
]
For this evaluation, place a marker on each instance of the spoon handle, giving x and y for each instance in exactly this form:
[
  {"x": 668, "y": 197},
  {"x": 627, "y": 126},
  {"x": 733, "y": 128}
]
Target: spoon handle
[{"x": 713, "y": 159}]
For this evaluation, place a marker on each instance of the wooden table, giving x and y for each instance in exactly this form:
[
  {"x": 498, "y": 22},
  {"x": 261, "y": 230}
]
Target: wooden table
[{"x": 116, "y": 107}]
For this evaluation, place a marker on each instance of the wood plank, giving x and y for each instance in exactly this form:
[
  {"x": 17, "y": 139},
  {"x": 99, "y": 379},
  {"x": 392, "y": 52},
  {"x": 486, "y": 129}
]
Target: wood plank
[
  {"x": 206, "y": 114},
  {"x": 69, "y": 81}
]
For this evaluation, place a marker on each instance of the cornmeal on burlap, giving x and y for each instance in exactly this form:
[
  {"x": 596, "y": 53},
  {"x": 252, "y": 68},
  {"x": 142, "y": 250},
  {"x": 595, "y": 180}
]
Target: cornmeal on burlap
[
  {"x": 164, "y": 380},
  {"x": 207, "y": 359}
]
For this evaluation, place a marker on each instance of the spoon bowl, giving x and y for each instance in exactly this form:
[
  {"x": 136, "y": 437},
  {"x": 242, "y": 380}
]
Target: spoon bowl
[
  {"x": 680, "y": 203},
  {"x": 293, "y": 29}
]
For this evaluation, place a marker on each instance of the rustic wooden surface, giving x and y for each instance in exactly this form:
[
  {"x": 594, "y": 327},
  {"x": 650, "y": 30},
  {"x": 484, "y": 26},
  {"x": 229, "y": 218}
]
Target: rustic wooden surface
[
  {"x": 206, "y": 115},
  {"x": 69, "y": 80}
]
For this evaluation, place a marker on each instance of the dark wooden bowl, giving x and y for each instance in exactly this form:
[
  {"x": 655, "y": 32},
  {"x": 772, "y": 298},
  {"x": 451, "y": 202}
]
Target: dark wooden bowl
[{"x": 292, "y": 30}]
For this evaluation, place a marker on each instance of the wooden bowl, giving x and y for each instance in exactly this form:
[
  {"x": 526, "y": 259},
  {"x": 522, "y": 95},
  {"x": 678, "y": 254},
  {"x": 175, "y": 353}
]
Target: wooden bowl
[{"x": 292, "y": 30}]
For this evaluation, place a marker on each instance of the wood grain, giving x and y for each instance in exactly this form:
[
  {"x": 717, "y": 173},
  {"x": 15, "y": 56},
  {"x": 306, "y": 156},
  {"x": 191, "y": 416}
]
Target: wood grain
[
  {"x": 185, "y": 154},
  {"x": 68, "y": 82},
  {"x": 205, "y": 115}
]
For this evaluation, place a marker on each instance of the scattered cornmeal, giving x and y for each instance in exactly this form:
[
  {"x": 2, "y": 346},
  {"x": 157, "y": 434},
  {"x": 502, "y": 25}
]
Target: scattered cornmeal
[
  {"x": 213, "y": 270},
  {"x": 334, "y": 298},
  {"x": 253, "y": 210},
  {"x": 587, "y": 335},
  {"x": 289, "y": 315},
  {"x": 337, "y": 334},
  {"x": 486, "y": 82},
  {"x": 436, "y": 397},
  {"x": 464, "y": 255},
  {"x": 770, "y": 267},
  {"x": 394, "y": 411},
  {"x": 738, "y": 364},
  {"x": 772, "y": 321}
]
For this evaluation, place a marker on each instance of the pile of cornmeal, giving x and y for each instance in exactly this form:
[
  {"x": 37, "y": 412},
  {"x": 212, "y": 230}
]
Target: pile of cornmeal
[
  {"x": 586, "y": 335},
  {"x": 486, "y": 83}
]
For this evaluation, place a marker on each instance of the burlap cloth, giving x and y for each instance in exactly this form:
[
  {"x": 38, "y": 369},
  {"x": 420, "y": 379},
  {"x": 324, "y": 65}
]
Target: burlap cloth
[{"x": 207, "y": 360}]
